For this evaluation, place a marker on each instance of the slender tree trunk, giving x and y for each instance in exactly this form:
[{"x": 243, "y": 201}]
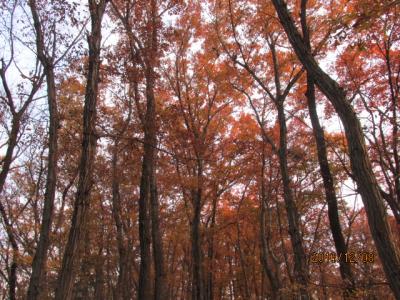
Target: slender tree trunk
[
  {"x": 275, "y": 285},
  {"x": 116, "y": 210},
  {"x": 12, "y": 276},
  {"x": 197, "y": 282},
  {"x": 360, "y": 163},
  {"x": 160, "y": 288},
  {"x": 82, "y": 204},
  {"x": 40, "y": 258},
  {"x": 144, "y": 232},
  {"x": 148, "y": 202},
  {"x": 333, "y": 214},
  {"x": 12, "y": 142},
  {"x": 300, "y": 259},
  {"x": 210, "y": 254}
]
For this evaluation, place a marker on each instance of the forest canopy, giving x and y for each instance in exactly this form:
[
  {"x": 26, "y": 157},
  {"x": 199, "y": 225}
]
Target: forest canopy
[{"x": 214, "y": 149}]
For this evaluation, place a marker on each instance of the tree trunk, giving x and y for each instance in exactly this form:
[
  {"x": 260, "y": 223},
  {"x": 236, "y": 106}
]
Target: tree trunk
[
  {"x": 40, "y": 258},
  {"x": 8, "y": 158},
  {"x": 144, "y": 229},
  {"x": 333, "y": 214},
  {"x": 122, "y": 290},
  {"x": 300, "y": 259},
  {"x": 81, "y": 206},
  {"x": 274, "y": 281},
  {"x": 158, "y": 255},
  {"x": 210, "y": 254},
  {"x": 360, "y": 163},
  {"x": 329, "y": 186},
  {"x": 197, "y": 282},
  {"x": 12, "y": 276}
]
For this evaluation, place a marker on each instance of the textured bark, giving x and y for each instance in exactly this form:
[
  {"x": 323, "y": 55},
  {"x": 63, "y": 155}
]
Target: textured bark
[
  {"x": 40, "y": 258},
  {"x": 360, "y": 162},
  {"x": 82, "y": 204},
  {"x": 300, "y": 261}
]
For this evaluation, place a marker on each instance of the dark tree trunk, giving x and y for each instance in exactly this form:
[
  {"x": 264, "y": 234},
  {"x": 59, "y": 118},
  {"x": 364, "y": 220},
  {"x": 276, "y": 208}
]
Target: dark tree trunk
[
  {"x": 210, "y": 254},
  {"x": 329, "y": 186},
  {"x": 144, "y": 231},
  {"x": 333, "y": 214},
  {"x": 148, "y": 203},
  {"x": 274, "y": 281},
  {"x": 300, "y": 259},
  {"x": 123, "y": 284},
  {"x": 197, "y": 281},
  {"x": 158, "y": 255},
  {"x": 360, "y": 163},
  {"x": 82, "y": 204},
  {"x": 12, "y": 142},
  {"x": 40, "y": 258},
  {"x": 12, "y": 276}
]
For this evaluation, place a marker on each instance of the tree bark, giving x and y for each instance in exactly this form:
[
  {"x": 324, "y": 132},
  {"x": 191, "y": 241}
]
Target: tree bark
[
  {"x": 40, "y": 258},
  {"x": 360, "y": 163},
  {"x": 300, "y": 259},
  {"x": 82, "y": 204}
]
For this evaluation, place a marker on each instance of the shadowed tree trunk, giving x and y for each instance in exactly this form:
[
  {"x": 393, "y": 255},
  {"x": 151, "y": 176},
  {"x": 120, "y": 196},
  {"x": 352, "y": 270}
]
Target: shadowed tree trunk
[
  {"x": 197, "y": 281},
  {"x": 273, "y": 279},
  {"x": 123, "y": 290},
  {"x": 148, "y": 201},
  {"x": 300, "y": 260},
  {"x": 40, "y": 258},
  {"x": 82, "y": 204},
  {"x": 333, "y": 214},
  {"x": 360, "y": 163},
  {"x": 150, "y": 156}
]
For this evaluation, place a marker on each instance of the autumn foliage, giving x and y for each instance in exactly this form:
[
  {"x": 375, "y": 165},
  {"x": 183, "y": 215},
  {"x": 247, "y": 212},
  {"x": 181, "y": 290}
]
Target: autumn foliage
[{"x": 199, "y": 150}]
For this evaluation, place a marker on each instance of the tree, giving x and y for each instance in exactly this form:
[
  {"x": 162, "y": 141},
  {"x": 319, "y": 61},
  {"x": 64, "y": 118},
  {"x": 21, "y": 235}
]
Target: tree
[
  {"x": 360, "y": 163},
  {"x": 82, "y": 200}
]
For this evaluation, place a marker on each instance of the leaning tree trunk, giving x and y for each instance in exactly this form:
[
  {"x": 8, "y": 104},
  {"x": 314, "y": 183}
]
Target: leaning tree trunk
[
  {"x": 329, "y": 186},
  {"x": 82, "y": 204},
  {"x": 40, "y": 258},
  {"x": 333, "y": 214},
  {"x": 360, "y": 162}
]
